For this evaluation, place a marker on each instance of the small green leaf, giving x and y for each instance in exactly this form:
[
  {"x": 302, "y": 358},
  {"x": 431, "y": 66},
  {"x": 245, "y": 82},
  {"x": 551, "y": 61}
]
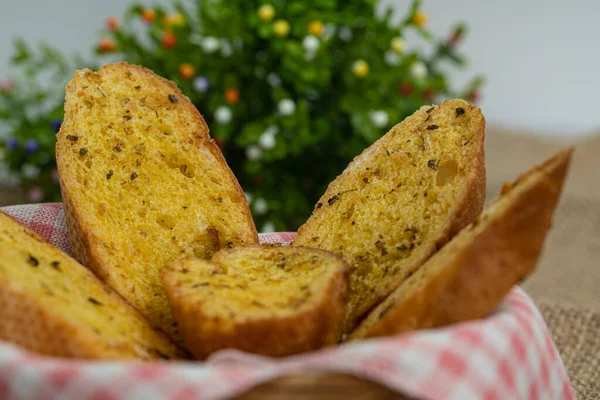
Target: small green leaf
[{"x": 21, "y": 51}]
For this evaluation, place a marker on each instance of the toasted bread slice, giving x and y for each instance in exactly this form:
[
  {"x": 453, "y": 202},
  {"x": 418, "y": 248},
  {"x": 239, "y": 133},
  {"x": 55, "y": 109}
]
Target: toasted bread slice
[
  {"x": 52, "y": 305},
  {"x": 468, "y": 277},
  {"x": 401, "y": 200},
  {"x": 143, "y": 184},
  {"x": 272, "y": 301}
]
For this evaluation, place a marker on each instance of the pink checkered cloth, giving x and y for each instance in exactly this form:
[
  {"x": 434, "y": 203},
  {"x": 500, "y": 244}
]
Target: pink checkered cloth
[{"x": 508, "y": 355}]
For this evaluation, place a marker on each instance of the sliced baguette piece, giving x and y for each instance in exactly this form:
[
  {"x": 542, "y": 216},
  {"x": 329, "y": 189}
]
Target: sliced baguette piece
[
  {"x": 143, "y": 184},
  {"x": 274, "y": 301},
  {"x": 468, "y": 277},
  {"x": 52, "y": 305},
  {"x": 401, "y": 200}
]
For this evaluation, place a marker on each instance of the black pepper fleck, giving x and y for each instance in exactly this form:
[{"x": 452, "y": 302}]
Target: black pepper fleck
[
  {"x": 72, "y": 138},
  {"x": 460, "y": 111},
  {"x": 117, "y": 148},
  {"x": 196, "y": 285},
  {"x": 138, "y": 87},
  {"x": 83, "y": 151},
  {"x": 319, "y": 205},
  {"x": 94, "y": 301},
  {"x": 333, "y": 199},
  {"x": 55, "y": 265},
  {"x": 134, "y": 175},
  {"x": 31, "y": 260},
  {"x": 432, "y": 164},
  {"x": 110, "y": 174},
  {"x": 432, "y": 127},
  {"x": 173, "y": 99}
]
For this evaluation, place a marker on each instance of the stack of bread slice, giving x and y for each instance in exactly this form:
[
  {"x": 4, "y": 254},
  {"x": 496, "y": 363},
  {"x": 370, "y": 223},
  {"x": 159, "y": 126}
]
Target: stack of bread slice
[{"x": 398, "y": 241}]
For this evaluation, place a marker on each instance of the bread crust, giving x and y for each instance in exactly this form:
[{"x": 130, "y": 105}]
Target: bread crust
[
  {"x": 29, "y": 322},
  {"x": 465, "y": 211},
  {"x": 88, "y": 246},
  {"x": 274, "y": 336},
  {"x": 482, "y": 263}
]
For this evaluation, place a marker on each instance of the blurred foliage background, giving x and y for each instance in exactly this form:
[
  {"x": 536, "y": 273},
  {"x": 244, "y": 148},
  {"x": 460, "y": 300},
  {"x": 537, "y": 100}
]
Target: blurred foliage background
[{"x": 291, "y": 91}]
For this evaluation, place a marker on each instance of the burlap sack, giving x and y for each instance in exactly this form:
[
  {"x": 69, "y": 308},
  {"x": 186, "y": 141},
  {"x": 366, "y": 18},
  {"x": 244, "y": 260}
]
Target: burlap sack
[{"x": 566, "y": 285}]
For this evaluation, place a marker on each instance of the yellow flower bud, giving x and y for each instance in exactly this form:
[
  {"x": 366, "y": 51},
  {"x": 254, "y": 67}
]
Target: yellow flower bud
[
  {"x": 360, "y": 68},
  {"x": 419, "y": 19},
  {"x": 176, "y": 19},
  {"x": 187, "y": 71},
  {"x": 397, "y": 44},
  {"x": 281, "y": 27},
  {"x": 316, "y": 28},
  {"x": 266, "y": 12}
]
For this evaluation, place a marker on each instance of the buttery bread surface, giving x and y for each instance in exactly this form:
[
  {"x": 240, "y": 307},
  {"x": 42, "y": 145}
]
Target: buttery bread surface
[
  {"x": 273, "y": 301},
  {"x": 467, "y": 278},
  {"x": 401, "y": 200},
  {"x": 143, "y": 183},
  {"x": 52, "y": 305}
]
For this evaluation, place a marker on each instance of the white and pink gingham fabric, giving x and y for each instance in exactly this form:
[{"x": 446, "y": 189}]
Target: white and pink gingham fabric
[{"x": 508, "y": 355}]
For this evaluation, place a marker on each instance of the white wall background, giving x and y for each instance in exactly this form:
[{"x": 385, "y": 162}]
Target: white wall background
[{"x": 541, "y": 58}]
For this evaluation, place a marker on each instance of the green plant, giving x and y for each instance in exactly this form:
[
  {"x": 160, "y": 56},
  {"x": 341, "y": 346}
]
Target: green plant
[{"x": 291, "y": 91}]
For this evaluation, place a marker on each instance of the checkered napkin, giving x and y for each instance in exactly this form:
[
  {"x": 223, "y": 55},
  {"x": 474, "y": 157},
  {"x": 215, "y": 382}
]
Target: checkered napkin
[{"x": 508, "y": 355}]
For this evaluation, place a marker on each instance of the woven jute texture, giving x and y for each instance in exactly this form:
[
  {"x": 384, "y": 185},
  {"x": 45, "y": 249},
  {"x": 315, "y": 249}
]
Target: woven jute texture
[
  {"x": 576, "y": 332},
  {"x": 566, "y": 284}
]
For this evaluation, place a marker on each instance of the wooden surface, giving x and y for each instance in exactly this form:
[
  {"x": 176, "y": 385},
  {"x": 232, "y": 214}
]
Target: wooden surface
[{"x": 319, "y": 387}]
